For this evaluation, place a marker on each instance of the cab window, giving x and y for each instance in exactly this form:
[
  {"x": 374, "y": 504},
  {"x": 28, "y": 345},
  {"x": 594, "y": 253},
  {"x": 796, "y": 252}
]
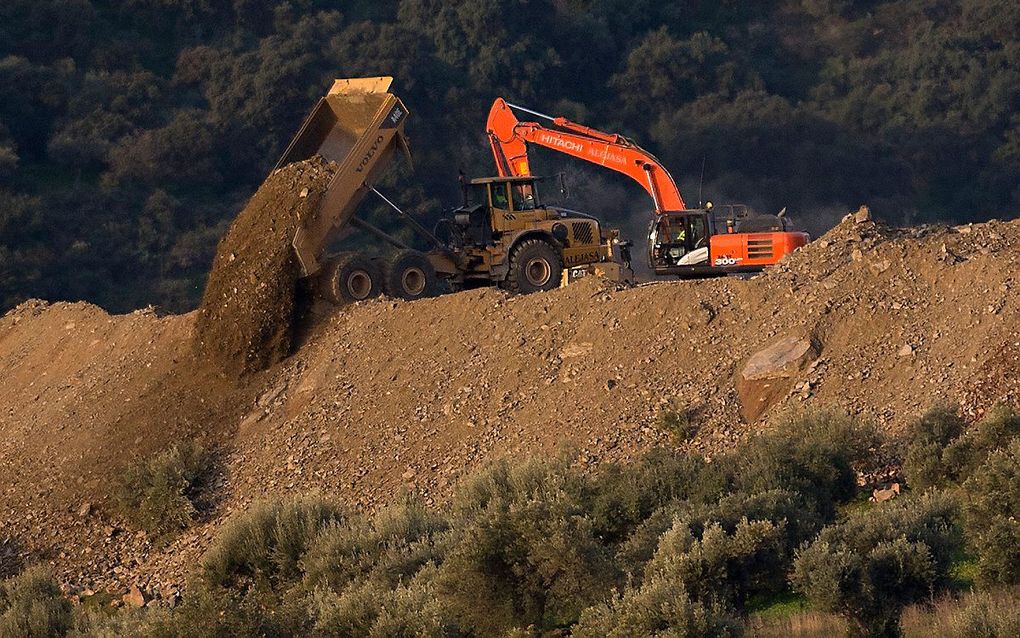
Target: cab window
[
  {"x": 699, "y": 232},
  {"x": 499, "y": 199},
  {"x": 524, "y": 196},
  {"x": 478, "y": 195}
]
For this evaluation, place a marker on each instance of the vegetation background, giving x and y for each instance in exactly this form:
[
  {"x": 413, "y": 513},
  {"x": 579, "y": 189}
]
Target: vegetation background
[{"x": 131, "y": 131}]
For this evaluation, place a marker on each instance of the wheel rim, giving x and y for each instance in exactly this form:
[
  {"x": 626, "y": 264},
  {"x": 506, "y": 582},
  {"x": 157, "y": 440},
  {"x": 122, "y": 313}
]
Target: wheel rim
[
  {"x": 413, "y": 281},
  {"x": 538, "y": 272},
  {"x": 359, "y": 284}
]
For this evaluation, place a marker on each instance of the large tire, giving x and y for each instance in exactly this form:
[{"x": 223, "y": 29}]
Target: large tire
[
  {"x": 535, "y": 265},
  {"x": 410, "y": 275},
  {"x": 348, "y": 278}
]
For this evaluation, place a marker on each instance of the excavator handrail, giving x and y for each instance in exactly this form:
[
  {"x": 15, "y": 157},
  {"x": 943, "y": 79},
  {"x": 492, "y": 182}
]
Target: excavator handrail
[{"x": 509, "y": 137}]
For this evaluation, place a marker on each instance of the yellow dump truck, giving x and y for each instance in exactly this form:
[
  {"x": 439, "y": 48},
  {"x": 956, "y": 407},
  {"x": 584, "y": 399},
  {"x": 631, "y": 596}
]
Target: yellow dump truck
[{"x": 502, "y": 234}]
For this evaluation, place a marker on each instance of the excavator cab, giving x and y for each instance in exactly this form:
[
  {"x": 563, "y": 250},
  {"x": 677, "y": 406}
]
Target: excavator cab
[{"x": 679, "y": 239}]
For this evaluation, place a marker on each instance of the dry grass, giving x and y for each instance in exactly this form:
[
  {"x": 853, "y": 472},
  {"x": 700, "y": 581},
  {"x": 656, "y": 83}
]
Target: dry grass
[
  {"x": 978, "y": 615},
  {"x": 807, "y": 624}
]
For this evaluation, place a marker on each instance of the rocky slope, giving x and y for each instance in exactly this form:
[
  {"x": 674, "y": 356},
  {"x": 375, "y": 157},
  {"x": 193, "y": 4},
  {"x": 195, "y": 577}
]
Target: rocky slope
[{"x": 387, "y": 395}]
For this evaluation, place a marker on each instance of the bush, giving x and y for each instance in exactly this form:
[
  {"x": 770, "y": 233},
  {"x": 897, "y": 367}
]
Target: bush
[
  {"x": 721, "y": 568},
  {"x": 784, "y": 510},
  {"x": 929, "y": 436},
  {"x": 813, "y": 455},
  {"x": 388, "y": 550},
  {"x": 942, "y": 454},
  {"x": 878, "y": 561},
  {"x": 679, "y": 423},
  {"x": 266, "y": 543},
  {"x": 991, "y": 506},
  {"x": 621, "y": 497},
  {"x": 367, "y": 609},
  {"x": 660, "y": 608},
  {"x": 146, "y": 622},
  {"x": 996, "y": 430},
  {"x": 524, "y": 552},
  {"x": 163, "y": 493},
  {"x": 31, "y": 605}
]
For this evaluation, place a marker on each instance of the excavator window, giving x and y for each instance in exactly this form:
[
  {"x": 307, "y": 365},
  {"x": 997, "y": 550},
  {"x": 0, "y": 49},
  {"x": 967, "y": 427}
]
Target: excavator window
[
  {"x": 699, "y": 232},
  {"x": 524, "y": 196}
]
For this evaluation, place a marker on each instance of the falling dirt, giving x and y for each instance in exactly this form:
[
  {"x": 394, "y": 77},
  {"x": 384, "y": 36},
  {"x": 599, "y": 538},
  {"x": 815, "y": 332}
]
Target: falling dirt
[
  {"x": 388, "y": 395},
  {"x": 246, "y": 320}
]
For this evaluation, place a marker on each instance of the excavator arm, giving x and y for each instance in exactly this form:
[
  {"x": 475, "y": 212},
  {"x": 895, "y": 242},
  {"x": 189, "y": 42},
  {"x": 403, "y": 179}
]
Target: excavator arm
[{"x": 509, "y": 138}]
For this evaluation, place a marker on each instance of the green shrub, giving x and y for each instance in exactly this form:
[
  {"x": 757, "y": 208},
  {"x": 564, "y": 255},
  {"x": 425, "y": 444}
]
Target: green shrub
[
  {"x": 813, "y": 455},
  {"x": 679, "y": 423},
  {"x": 621, "y": 497},
  {"x": 352, "y": 612},
  {"x": 878, "y": 561},
  {"x": 722, "y": 568},
  {"x": 785, "y": 510},
  {"x": 266, "y": 542},
  {"x": 146, "y": 622},
  {"x": 790, "y": 510},
  {"x": 523, "y": 553},
  {"x": 942, "y": 454},
  {"x": 389, "y": 549},
  {"x": 31, "y": 606},
  {"x": 164, "y": 493},
  {"x": 660, "y": 608},
  {"x": 367, "y": 609},
  {"x": 992, "y": 505},
  {"x": 929, "y": 436},
  {"x": 996, "y": 430}
]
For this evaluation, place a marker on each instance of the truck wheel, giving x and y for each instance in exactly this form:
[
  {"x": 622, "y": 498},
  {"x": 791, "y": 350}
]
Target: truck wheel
[
  {"x": 535, "y": 265},
  {"x": 410, "y": 275},
  {"x": 349, "y": 278}
]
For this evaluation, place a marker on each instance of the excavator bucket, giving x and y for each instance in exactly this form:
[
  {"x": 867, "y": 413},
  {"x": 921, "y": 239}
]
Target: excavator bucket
[{"x": 358, "y": 124}]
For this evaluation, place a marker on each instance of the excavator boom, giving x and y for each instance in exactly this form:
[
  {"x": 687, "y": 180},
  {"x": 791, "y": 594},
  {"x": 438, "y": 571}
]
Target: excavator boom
[
  {"x": 682, "y": 242},
  {"x": 509, "y": 138}
]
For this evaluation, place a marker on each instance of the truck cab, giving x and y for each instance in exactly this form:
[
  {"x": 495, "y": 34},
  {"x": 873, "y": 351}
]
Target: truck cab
[{"x": 508, "y": 235}]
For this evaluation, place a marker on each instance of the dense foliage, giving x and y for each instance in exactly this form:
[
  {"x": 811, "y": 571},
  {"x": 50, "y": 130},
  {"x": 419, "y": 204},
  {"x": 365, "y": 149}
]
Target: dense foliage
[
  {"x": 132, "y": 130},
  {"x": 666, "y": 545}
]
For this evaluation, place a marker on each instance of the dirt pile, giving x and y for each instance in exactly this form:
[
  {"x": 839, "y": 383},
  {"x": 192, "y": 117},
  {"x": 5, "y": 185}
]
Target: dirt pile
[
  {"x": 388, "y": 395},
  {"x": 246, "y": 320}
]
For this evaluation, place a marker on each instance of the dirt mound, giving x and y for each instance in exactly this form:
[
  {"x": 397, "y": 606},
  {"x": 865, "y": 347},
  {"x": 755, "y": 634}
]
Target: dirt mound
[
  {"x": 387, "y": 395},
  {"x": 246, "y": 320}
]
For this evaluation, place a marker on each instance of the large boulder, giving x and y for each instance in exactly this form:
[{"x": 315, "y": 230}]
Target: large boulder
[{"x": 770, "y": 374}]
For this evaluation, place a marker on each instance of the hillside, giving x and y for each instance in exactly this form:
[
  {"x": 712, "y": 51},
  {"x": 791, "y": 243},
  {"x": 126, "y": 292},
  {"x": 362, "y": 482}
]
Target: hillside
[{"x": 386, "y": 394}]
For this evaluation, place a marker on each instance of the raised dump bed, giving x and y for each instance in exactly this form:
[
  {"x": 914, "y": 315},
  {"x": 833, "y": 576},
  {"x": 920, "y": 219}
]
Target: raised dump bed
[{"x": 359, "y": 124}]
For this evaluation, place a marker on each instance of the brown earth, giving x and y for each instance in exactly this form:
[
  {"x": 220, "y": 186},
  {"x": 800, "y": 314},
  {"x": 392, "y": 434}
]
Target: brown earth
[
  {"x": 247, "y": 317},
  {"x": 388, "y": 395}
]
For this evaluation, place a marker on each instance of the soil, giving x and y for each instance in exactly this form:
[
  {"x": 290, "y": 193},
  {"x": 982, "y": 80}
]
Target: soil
[
  {"x": 246, "y": 321},
  {"x": 388, "y": 395}
]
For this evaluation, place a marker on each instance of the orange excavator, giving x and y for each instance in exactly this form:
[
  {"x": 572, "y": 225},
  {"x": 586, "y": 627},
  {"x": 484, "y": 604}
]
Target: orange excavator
[{"x": 682, "y": 242}]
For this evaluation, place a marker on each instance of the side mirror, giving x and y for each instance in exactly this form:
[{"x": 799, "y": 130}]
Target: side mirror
[{"x": 564, "y": 191}]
